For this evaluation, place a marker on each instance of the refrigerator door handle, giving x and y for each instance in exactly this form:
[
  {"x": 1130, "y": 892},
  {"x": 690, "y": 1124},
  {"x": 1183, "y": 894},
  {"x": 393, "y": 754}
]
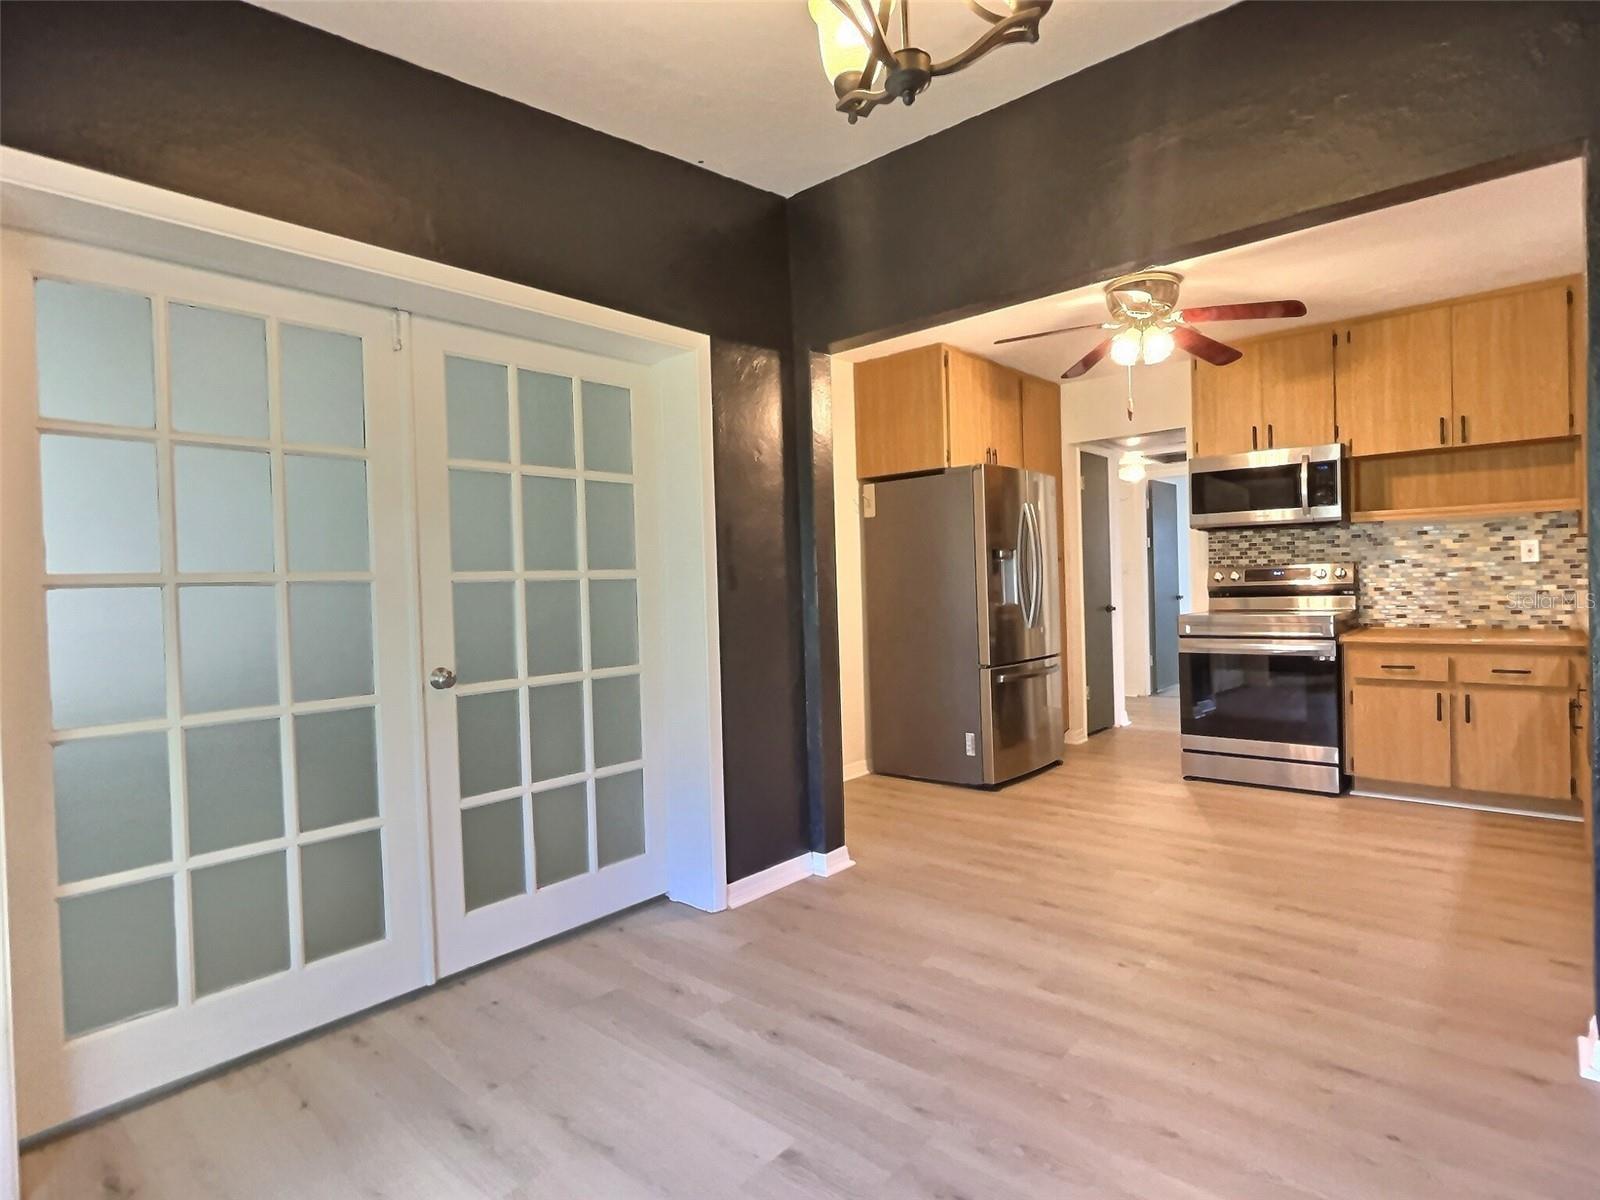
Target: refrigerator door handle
[
  {"x": 1038, "y": 565},
  {"x": 1009, "y": 676},
  {"x": 1024, "y": 573}
]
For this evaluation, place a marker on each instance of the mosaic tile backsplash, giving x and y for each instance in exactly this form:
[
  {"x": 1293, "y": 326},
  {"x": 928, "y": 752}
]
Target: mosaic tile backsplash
[{"x": 1439, "y": 573}]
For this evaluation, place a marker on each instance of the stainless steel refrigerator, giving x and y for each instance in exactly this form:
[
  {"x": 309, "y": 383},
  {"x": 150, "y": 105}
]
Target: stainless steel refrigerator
[{"x": 963, "y": 624}]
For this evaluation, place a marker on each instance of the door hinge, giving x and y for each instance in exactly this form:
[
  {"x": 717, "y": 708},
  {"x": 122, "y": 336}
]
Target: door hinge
[{"x": 395, "y": 327}]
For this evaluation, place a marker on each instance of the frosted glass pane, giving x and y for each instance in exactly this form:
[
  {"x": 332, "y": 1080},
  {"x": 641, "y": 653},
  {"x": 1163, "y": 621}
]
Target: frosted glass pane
[
  {"x": 487, "y": 743},
  {"x": 491, "y": 852},
  {"x": 219, "y": 371},
  {"x": 113, "y": 805},
  {"x": 241, "y": 922},
  {"x": 96, "y": 355},
  {"x": 341, "y": 885},
  {"x": 119, "y": 955},
  {"x": 100, "y": 510},
  {"x": 330, "y": 640},
  {"x": 607, "y": 428},
  {"x": 560, "y": 834},
  {"x": 616, "y": 720},
  {"x": 336, "y": 767},
  {"x": 229, "y": 642},
  {"x": 619, "y": 816},
  {"x": 610, "y": 516},
  {"x": 486, "y": 631},
  {"x": 477, "y": 409},
  {"x": 480, "y": 521},
  {"x": 224, "y": 509},
  {"x": 235, "y": 785},
  {"x": 613, "y": 622},
  {"x": 555, "y": 730},
  {"x": 322, "y": 387},
  {"x": 555, "y": 632},
  {"x": 549, "y": 524},
  {"x": 545, "y": 406},
  {"x": 107, "y": 661},
  {"x": 327, "y": 503}
]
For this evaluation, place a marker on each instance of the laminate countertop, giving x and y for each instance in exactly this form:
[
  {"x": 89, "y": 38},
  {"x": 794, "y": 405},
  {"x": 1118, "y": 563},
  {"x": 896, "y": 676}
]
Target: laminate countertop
[{"x": 1531, "y": 639}]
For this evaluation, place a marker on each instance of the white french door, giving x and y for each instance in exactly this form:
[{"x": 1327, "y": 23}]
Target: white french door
[
  {"x": 544, "y": 812},
  {"x": 213, "y": 789}
]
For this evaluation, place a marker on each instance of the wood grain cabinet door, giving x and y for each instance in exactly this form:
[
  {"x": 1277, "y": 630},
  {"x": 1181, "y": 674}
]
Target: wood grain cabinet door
[
  {"x": 1005, "y": 417},
  {"x": 1514, "y": 740},
  {"x": 900, "y": 413},
  {"x": 1509, "y": 358},
  {"x": 1296, "y": 389},
  {"x": 1400, "y": 733},
  {"x": 1226, "y": 408},
  {"x": 1041, "y": 426},
  {"x": 1393, "y": 381},
  {"x": 969, "y": 392}
]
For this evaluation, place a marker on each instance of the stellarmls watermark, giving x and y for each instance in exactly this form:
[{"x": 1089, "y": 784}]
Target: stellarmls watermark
[{"x": 1549, "y": 600}]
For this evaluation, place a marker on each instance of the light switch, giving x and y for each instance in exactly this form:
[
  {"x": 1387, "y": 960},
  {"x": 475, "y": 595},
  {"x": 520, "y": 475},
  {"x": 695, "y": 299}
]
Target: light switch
[{"x": 1530, "y": 550}]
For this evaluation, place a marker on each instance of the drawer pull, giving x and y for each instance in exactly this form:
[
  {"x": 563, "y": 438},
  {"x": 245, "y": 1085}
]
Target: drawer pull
[
  {"x": 1438, "y": 706},
  {"x": 1469, "y": 708},
  {"x": 1398, "y": 666},
  {"x": 1510, "y": 671}
]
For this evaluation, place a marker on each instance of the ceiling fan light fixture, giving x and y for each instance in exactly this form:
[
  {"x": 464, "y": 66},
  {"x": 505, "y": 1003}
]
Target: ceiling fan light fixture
[
  {"x": 1158, "y": 345},
  {"x": 1127, "y": 346}
]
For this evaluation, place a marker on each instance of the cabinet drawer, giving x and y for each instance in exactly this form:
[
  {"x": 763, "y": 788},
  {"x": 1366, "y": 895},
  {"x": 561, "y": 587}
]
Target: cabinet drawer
[
  {"x": 1397, "y": 662},
  {"x": 1530, "y": 670}
]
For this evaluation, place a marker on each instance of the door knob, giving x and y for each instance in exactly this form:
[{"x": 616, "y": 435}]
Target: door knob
[
  {"x": 441, "y": 678},
  {"x": 1111, "y": 608}
]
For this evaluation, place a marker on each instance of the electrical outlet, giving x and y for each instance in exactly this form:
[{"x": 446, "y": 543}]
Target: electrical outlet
[
  {"x": 1530, "y": 550},
  {"x": 972, "y": 745}
]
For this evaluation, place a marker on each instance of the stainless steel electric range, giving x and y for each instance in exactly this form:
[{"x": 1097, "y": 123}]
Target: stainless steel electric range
[{"x": 1259, "y": 676}]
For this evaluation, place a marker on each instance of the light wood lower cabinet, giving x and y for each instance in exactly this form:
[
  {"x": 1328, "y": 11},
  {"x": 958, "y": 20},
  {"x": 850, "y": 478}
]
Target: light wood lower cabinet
[
  {"x": 1478, "y": 718},
  {"x": 1400, "y": 732},
  {"x": 1514, "y": 740}
]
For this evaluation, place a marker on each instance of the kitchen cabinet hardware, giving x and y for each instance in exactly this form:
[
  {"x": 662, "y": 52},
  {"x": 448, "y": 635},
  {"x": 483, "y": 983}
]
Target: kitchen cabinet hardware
[
  {"x": 1254, "y": 441},
  {"x": 1469, "y": 707},
  {"x": 1464, "y": 438},
  {"x": 1511, "y": 670},
  {"x": 1398, "y": 666},
  {"x": 1269, "y": 435},
  {"x": 1438, "y": 706}
]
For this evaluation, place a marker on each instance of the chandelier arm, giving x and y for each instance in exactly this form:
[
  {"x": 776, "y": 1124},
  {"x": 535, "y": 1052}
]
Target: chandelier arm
[
  {"x": 993, "y": 18},
  {"x": 1019, "y": 27}
]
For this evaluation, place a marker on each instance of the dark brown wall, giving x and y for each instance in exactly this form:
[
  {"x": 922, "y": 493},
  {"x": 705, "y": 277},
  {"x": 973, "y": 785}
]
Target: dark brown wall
[{"x": 236, "y": 105}]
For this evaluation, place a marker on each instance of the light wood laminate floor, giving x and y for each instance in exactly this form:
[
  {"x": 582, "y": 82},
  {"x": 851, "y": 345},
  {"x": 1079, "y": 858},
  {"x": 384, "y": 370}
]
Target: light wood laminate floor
[{"x": 1102, "y": 982}]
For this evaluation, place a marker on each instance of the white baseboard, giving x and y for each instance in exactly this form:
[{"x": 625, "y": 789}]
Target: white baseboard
[
  {"x": 855, "y": 770},
  {"x": 792, "y": 870},
  {"x": 1589, "y": 1053},
  {"x": 832, "y": 862}
]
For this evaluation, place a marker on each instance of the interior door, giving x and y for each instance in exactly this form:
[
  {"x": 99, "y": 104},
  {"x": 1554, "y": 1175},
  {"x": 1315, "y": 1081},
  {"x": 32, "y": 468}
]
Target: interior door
[
  {"x": 210, "y": 720},
  {"x": 1166, "y": 601},
  {"x": 543, "y": 806},
  {"x": 1097, "y": 606}
]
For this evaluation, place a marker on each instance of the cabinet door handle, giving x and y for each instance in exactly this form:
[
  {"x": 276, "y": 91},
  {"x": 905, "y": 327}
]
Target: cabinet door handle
[
  {"x": 1269, "y": 435},
  {"x": 1464, "y": 438},
  {"x": 1398, "y": 666},
  {"x": 1254, "y": 441},
  {"x": 1469, "y": 708},
  {"x": 1510, "y": 671},
  {"x": 1438, "y": 706},
  {"x": 1444, "y": 431},
  {"x": 1575, "y": 714}
]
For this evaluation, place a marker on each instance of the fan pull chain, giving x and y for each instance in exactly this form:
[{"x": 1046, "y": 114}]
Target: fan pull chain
[{"x": 1130, "y": 392}]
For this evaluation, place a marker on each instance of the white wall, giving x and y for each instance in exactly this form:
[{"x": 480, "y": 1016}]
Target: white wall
[{"x": 847, "y": 535}]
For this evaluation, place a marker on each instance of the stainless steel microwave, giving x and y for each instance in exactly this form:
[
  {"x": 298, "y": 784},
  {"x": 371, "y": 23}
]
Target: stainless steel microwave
[{"x": 1300, "y": 486}]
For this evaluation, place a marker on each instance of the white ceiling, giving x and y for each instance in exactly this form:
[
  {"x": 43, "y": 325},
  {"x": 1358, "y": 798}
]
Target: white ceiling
[
  {"x": 735, "y": 85},
  {"x": 1517, "y": 229}
]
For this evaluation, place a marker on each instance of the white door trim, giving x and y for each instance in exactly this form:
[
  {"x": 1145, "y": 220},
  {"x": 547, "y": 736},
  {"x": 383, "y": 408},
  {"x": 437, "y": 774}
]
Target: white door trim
[{"x": 45, "y": 196}]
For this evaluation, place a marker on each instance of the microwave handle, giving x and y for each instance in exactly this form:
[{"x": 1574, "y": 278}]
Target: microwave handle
[{"x": 1305, "y": 483}]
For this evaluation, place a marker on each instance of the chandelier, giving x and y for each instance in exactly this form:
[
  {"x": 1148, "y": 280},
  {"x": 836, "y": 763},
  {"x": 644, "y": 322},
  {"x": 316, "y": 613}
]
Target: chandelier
[{"x": 855, "y": 48}]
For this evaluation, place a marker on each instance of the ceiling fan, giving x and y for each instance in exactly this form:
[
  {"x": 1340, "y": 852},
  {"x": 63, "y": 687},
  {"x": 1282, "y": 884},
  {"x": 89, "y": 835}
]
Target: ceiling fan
[{"x": 1149, "y": 325}]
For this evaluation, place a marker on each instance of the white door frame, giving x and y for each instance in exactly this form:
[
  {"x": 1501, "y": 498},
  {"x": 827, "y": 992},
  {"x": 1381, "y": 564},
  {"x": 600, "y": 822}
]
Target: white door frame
[{"x": 42, "y": 195}]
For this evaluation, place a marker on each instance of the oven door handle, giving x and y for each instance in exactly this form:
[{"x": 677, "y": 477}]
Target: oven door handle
[{"x": 1322, "y": 651}]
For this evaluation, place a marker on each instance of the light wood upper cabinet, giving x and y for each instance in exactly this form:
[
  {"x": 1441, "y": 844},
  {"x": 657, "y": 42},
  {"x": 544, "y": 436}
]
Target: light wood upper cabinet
[
  {"x": 935, "y": 407},
  {"x": 1226, "y": 408},
  {"x": 1041, "y": 425},
  {"x": 1514, "y": 740},
  {"x": 1509, "y": 356},
  {"x": 1296, "y": 389},
  {"x": 1400, "y": 732},
  {"x": 900, "y": 413},
  {"x": 1392, "y": 376}
]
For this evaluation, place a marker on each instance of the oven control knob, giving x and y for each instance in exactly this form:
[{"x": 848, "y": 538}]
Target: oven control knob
[
  {"x": 1322, "y": 572},
  {"x": 1234, "y": 576},
  {"x": 1340, "y": 573},
  {"x": 1217, "y": 576}
]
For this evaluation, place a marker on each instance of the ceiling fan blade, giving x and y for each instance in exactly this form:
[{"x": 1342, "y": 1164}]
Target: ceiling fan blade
[
  {"x": 1028, "y": 337},
  {"x": 1260, "y": 310},
  {"x": 1204, "y": 348},
  {"x": 1087, "y": 363}
]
